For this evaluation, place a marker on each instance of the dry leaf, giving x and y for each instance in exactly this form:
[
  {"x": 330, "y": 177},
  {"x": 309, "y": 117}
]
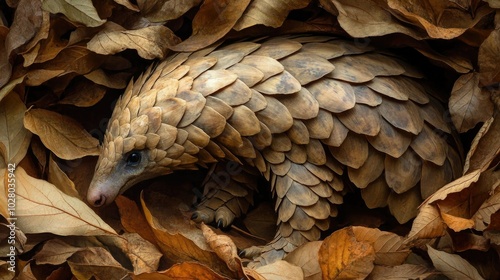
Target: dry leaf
[
  {"x": 14, "y": 139},
  {"x": 177, "y": 236},
  {"x": 485, "y": 146},
  {"x": 389, "y": 247},
  {"x": 364, "y": 18},
  {"x": 5, "y": 66},
  {"x": 158, "y": 11},
  {"x": 185, "y": 270},
  {"x": 343, "y": 256},
  {"x": 132, "y": 218},
  {"x": 489, "y": 60},
  {"x": 84, "y": 94},
  {"x": 149, "y": 42},
  {"x": 400, "y": 272},
  {"x": 268, "y": 12},
  {"x": 427, "y": 224},
  {"x": 489, "y": 181},
  {"x": 456, "y": 223},
  {"x": 469, "y": 104},
  {"x": 96, "y": 261},
  {"x": 214, "y": 20},
  {"x": 306, "y": 257},
  {"x": 58, "y": 178},
  {"x": 65, "y": 137},
  {"x": 82, "y": 11},
  {"x": 116, "y": 81},
  {"x": 280, "y": 270},
  {"x": 452, "y": 266},
  {"x": 224, "y": 247},
  {"x": 41, "y": 207}
]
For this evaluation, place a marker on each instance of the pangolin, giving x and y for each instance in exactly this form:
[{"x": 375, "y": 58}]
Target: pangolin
[{"x": 310, "y": 114}]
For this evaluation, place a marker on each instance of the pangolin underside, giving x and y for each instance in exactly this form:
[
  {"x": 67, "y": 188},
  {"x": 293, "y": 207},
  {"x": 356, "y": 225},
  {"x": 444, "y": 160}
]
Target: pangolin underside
[{"x": 306, "y": 112}]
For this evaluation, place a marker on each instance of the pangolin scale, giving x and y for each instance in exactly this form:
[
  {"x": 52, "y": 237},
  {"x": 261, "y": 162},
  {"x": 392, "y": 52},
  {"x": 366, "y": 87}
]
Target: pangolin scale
[{"x": 305, "y": 112}]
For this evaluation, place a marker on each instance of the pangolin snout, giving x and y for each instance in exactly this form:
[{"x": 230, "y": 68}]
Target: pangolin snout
[{"x": 96, "y": 199}]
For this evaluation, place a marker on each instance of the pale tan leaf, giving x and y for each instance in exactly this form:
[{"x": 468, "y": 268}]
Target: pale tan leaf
[
  {"x": 65, "y": 137},
  {"x": 452, "y": 266},
  {"x": 268, "y": 12},
  {"x": 306, "y": 257},
  {"x": 41, "y": 207},
  {"x": 9, "y": 86},
  {"x": 490, "y": 181},
  {"x": 149, "y": 42},
  {"x": 58, "y": 178},
  {"x": 469, "y": 104},
  {"x": 343, "y": 256},
  {"x": 280, "y": 270},
  {"x": 454, "y": 186},
  {"x": 82, "y": 11},
  {"x": 14, "y": 139},
  {"x": 427, "y": 224}
]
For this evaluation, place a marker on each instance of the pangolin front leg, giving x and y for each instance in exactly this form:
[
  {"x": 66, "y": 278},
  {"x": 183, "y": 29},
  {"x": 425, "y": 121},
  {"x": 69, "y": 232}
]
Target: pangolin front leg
[{"x": 228, "y": 194}]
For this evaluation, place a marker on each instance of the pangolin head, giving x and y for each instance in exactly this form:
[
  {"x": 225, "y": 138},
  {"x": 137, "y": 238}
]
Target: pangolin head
[{"x": 139, "y": 142}]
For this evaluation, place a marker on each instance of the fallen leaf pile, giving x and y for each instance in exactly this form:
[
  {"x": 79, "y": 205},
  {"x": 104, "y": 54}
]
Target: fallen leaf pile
[{"x": 63, "y": 63}]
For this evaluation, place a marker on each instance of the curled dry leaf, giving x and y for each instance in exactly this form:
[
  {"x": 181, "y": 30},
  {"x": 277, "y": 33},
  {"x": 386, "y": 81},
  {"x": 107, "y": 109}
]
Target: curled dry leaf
[
  {"x": 64, "y": 136},
  {"x": 214, "y": 20},
  {"x": 485, "y": 146},
  {"x": 14, "y": 139},
  {"x": 132, "y": 218},
  {"x": 58, "y": 178},
  {"x": 427, "y": 224},
  {"x": 225, "y": 248},
  {"x": 452, "y": 266},
  {"x": 82, "y": 11},
  {"x": 268, "y": 12},
  {"x": 469, "y": 104},
  {"x": 149, "y": 42},
  {"x": 342, "y": 256},
  {"x": 96, "y": 261},
  {"x": 489, "y": 180},
  {"x": 41, "y": 207}
]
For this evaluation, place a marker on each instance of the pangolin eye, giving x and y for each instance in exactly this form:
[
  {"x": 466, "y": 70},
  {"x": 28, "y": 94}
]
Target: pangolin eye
[{"x": 133, "y": 158}]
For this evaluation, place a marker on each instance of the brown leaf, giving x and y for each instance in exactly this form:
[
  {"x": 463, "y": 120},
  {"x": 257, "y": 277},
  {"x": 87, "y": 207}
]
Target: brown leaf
[
  {"x": 489, "y": 182},
  {"x": 489, "y": 60},
  {"x": 268, "y": 12},
  {"x": 306, "y": 257},
  {"x": 185, "y": 270},
  {"x": 452, "y": 266},
  {"x": 214, "y": 20},
  {"x": 427, "y": 224},
  {"x": 83, "y": 93},
  {"x": 364, "y": 18},
  {"x": 58, "y": 178},
  {"x": 77, "y": 11},
  {"x": 41, "y": 207},
  {"x": 343, "y": 256},
  {"x": 64, "y": 136},
  {"x": 280, "y": 270},
  {"x": 485, "y": 146},
  {"x": 441, "y": 19},
  {"x": 404, "y": 271},
  {"x": 28, "y": 19},
  {"x": 468, "y": 103},
  {"x": 149, "y": 42},
  {"x": 132, "y": 218},
  {"x": 14, "y": 139},
  {"x": 116, "y": 81},
  {"x": 158, "y": 11},
  {"x": 5, "y": 66},
  {"x": 96, "y": 261},
  {"x": 177, "y": 236},
  {"x": 389, "y": 247},
  {"x": 457, "y": 223},
  {"x": 261, "y": 221},
  {"x": 224, "y": 247}
]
